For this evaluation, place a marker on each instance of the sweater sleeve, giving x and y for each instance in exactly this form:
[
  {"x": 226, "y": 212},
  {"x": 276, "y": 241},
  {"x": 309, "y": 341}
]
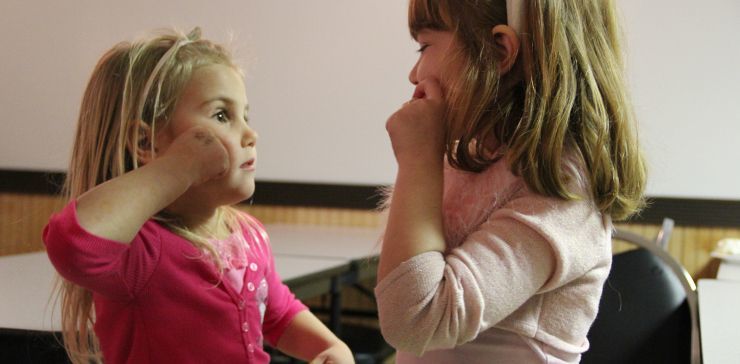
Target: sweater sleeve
[
  {"x": 110, "y": 268},
  {"x": 529, "y": 245},
  {"x": 282, "y": 305}
]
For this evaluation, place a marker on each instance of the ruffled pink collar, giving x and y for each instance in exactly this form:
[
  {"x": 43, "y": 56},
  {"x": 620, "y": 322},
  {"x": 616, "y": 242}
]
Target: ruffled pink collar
[{"x": 232, "y": 250}]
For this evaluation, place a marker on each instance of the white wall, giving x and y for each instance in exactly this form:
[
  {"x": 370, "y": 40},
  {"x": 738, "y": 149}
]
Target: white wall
[
  {"x": 323, "y": 76},
  {"x": 684, "y": 68}
]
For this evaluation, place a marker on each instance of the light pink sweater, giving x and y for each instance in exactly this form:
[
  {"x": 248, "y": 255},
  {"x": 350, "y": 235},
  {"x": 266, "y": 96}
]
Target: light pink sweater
[{"x": 522, "y": 274}]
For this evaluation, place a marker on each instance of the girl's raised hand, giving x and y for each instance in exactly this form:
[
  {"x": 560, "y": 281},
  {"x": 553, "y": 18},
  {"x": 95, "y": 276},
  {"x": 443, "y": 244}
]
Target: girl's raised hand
[
  {"x": 417, "y": 129},
  {"x": 201, "y": 152}
]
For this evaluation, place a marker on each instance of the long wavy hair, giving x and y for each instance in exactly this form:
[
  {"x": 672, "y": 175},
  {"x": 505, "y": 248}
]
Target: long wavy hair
[
  {"x": 132, "y": 82},
  {"x": 566, "y": 97}
]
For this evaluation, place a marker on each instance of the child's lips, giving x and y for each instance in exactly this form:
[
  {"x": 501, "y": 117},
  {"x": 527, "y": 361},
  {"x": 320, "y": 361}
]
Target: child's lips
[{"x": 249, "y": 165}]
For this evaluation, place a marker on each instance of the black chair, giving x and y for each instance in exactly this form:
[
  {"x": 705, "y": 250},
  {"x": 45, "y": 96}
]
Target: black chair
[
  {"x": 31, "y": 347},
  {"x": 648, "y": 310}
]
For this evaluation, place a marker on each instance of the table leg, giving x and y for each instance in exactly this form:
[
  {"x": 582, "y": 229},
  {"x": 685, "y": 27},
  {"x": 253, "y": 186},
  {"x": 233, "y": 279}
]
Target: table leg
[{"x": 335, "y": 306}]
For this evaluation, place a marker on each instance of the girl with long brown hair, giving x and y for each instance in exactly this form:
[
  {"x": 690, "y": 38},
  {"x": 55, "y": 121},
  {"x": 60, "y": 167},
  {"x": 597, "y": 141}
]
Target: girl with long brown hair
[{"x": 516, "y": 152}]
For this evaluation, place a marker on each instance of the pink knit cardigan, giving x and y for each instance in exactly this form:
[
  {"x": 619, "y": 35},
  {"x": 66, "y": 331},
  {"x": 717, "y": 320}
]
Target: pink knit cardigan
[{"x": 515, "y": 261}]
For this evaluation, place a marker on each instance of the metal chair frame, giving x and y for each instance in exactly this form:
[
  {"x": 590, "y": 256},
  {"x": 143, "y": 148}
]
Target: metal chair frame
[{"x": 658, "y": 248}]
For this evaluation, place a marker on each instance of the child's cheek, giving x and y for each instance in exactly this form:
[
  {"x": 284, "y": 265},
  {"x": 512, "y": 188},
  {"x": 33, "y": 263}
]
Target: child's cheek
[{"x": 231, "y": 145}]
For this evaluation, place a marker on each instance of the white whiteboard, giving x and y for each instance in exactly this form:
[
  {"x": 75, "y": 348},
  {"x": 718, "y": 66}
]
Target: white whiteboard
[{"x": 323, "y": 76}]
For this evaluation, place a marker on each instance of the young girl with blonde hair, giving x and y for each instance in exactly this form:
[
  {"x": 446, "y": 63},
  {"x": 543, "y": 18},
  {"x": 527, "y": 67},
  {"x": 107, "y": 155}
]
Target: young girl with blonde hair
[
  {"x": 515, "y": 154},
  {"x": 157, "y": 267}
]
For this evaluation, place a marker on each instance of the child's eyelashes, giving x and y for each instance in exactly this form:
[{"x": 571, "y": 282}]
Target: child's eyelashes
[
  {"x": 221, "y": 116},
  {"x": 422, "y": 48}
]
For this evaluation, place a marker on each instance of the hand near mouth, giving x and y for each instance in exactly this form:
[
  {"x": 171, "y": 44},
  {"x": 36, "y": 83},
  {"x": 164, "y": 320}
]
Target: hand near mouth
[{"x": 203, "y": 154}]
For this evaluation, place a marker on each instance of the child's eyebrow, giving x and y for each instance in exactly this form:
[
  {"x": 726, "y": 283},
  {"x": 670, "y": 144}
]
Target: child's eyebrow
[{"x": 225, "y": 100}]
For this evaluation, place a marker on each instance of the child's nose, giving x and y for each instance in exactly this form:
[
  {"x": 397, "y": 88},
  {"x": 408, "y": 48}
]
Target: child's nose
[
  {"x": 249, "y": 137},
  {"x": 412, "y": 75}
]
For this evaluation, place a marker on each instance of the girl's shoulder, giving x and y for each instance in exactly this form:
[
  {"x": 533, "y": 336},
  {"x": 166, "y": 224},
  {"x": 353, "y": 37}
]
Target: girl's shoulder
[{"x": 246, "y": 220}]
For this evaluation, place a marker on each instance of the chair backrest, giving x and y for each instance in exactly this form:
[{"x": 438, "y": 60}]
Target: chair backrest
[
  {"x": 648, "y": 309},
  {"x": 31, "y": 347}
]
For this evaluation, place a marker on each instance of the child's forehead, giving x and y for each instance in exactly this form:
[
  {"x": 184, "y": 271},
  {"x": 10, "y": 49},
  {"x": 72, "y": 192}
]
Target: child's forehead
[
  {"x": 216, "y": 83},
  {"x": 215, "y": 72},
  {"x": 428, "y": 33}
]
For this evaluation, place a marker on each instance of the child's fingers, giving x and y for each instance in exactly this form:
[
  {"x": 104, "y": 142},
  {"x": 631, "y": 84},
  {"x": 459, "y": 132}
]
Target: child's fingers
[
  {"x": 224, "y": 156},
  {"x": 225, "y": 161},
  {"x": 428, "y": 88},
  {"x": 418, "y": 92},
  {"x": 205, "y": 146}
]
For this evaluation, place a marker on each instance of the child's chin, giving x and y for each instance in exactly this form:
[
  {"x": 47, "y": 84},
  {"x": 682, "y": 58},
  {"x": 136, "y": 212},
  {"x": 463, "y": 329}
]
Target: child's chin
[{"x": 245, "y": 192}]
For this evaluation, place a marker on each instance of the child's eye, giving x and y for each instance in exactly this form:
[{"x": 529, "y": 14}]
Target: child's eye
[
  {"x": 422, "y": 48},
  {"x": 221, "y": 116}
]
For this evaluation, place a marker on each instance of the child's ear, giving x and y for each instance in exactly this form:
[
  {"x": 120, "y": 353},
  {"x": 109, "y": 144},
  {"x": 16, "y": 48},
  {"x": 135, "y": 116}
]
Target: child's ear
[
  {"x": 144, "y": 151},
  {"x": 507, "y": 44}
]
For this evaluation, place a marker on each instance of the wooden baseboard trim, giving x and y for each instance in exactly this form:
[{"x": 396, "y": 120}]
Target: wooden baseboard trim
[{"x": 684, "y": 211}]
